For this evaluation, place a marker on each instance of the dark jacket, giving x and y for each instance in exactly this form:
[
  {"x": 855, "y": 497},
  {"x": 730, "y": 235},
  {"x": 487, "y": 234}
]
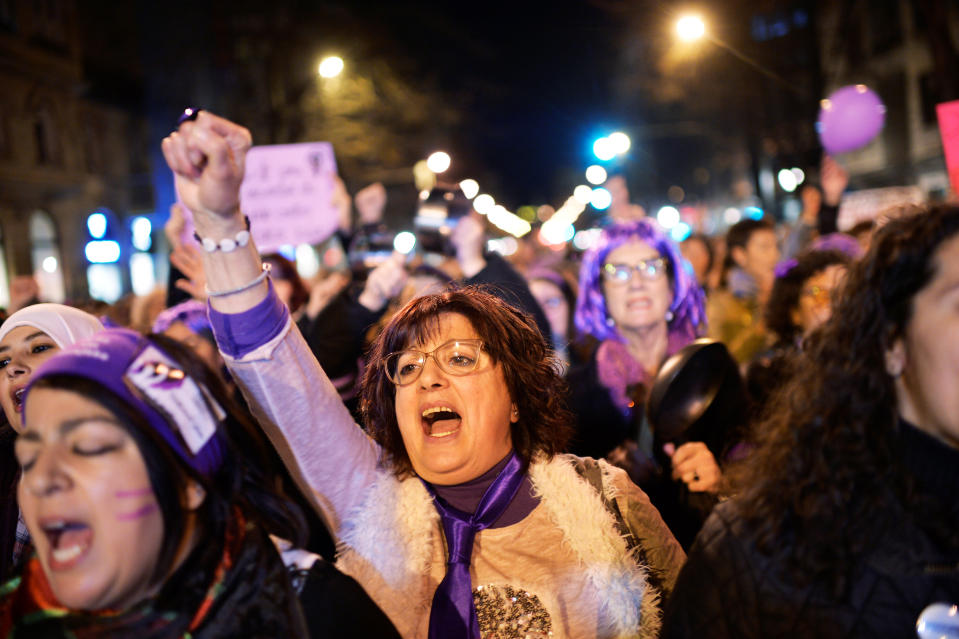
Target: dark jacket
[
  {"x": 601, "y": 427},
  {"x": 729, "y": 589}
]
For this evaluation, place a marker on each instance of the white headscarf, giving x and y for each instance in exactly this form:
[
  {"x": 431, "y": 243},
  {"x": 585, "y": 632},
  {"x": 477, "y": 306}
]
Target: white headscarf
[{"x": 64, "y": 324}]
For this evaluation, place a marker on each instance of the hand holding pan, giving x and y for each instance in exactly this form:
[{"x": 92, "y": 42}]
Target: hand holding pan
[{"x": 698, "y": 395}]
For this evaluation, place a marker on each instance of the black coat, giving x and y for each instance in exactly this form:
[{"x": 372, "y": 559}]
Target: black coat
[
  {"x": 601, "y": 427},
  {"x": 729, "y": 589}
]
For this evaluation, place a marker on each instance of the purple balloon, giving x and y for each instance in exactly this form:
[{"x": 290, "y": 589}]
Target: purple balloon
[{"x": 850, "y": 118}]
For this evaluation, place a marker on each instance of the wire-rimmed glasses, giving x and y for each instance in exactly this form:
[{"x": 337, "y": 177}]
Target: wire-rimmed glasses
[
  {"x": 455, "y": 357},
  {"x": 648, "y": 270}
]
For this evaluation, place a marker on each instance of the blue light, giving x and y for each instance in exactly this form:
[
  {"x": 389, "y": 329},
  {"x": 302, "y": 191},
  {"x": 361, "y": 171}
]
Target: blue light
[
  {"x": 753, "y": 212},
  {"x": 288, "y": 251},
  {"x": 102, "y": 251},
  {"x": 680, "y": 232},
  {"x": 601, "y": 199},
  {"x": 97, "y": 225}
]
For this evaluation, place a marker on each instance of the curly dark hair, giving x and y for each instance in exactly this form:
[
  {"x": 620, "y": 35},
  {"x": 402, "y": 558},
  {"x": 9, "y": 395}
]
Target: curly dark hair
[
  {"x": 787, "y": 288},
  {"x": 512, "y": 340},
  {"x": 819, "y": 485}
]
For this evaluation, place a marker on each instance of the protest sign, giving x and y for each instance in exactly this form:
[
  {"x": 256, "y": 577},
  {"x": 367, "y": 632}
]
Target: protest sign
[
  {"x": 286, "y": 192},
  {"x": 948, "y": 113}
]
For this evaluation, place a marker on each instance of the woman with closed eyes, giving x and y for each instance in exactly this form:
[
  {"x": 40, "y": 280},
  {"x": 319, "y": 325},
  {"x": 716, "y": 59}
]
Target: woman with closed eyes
[{"x": 150, "y": 507}]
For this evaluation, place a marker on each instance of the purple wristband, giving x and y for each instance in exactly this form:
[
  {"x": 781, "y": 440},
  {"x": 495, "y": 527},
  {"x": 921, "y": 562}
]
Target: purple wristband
[{"x": 240, "y": 333}]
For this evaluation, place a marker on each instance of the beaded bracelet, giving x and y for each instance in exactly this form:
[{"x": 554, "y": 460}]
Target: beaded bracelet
[
  {"x": 226, "y": 245},
  {"x": 242, "y": 287}
]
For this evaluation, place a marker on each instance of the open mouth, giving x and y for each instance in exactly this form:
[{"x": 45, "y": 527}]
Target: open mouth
[
  {"x": 18, "y": 398},
  {"x": 69, "y": 541},
  {"x": 441, "y": 421},
  {"x": 640, "y": 304}
]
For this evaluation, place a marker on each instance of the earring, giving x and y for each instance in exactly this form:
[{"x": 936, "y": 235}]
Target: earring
[
  {"x": 669, "y": 316},
  {"x": 609, "y": 322}
]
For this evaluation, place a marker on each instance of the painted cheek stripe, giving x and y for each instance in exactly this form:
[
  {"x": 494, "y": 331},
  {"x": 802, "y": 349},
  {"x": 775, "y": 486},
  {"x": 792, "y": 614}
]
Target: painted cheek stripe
[
  {"x": 142, "y": 492},
  {"x": 139, "y": 513}
]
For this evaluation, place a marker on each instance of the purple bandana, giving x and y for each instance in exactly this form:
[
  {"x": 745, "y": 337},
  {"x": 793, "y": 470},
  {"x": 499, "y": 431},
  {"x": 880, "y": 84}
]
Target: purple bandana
[{"x": 181, "y": 410}]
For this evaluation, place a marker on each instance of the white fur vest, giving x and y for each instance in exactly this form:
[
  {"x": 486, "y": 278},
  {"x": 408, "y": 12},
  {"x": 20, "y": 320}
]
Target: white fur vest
[{"x": 388, "y": 545}]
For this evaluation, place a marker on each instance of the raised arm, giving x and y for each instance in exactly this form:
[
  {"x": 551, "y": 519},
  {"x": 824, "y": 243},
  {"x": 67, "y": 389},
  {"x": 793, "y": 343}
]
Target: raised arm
[
  {"x": 208, "y": 157},
  {"x": 329, "y": 455}
]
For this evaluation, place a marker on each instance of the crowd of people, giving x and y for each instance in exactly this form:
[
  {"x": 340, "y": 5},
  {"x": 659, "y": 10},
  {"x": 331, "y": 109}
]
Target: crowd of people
[{"x": 749, "y": 435}]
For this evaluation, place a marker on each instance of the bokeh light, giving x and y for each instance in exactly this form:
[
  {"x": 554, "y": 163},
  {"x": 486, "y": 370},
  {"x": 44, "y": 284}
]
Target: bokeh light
[
  {"x": 690, "y": 28},
  {"x": 331, "y": 66},
  {"x": 620, "y": 142},
  {"x": 97, "y": 225},
  {"x": 787, "y": 180},
  {"x": 668, "y": 217},
  {"x": 404, "y": 242},
  {"x": 470, "y": 188},
  {"x": 583, "y": 194},
  {"x": 601, "y": 199},
  {"x": 595, "y": 174},
  {"x": 438, "y": 162},
  {"x": 604, "y": 149},
  {"x": 484, "y": 204}
]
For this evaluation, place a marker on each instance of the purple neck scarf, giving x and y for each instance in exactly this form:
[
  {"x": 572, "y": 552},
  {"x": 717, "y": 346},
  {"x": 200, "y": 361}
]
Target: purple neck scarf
[
  {"x": 453, "y": 613},
  {"x": 618, "y": 371}
]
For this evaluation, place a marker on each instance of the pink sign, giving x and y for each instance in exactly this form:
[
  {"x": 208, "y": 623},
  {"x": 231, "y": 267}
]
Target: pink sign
[
  {"x": 948, "y": 113},
  {"x": 286, "y": 192}
]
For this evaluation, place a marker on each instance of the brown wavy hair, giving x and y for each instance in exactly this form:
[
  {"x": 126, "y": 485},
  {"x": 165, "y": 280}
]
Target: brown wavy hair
[
  {"x": 512, "y": 340},
  {"x": 820, "y": 484}
]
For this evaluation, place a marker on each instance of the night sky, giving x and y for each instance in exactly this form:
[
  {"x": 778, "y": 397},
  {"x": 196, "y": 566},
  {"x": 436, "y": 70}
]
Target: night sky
[{"x": 533, "y": 82}]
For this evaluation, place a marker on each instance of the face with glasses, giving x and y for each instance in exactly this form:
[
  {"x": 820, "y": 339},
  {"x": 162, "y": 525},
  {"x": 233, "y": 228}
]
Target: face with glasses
[
  {"x": 452, "y": 404},
  {"x": 813, "y": 307},
  {"x": 636, "y": 286}
]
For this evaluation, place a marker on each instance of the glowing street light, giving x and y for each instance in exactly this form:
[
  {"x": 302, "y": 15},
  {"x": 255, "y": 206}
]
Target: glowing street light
[
  {"x": 620, "y": 142},
  {"x": 690, "y": 28},
  {"x": 787, "y": 180},
  {"x": 484, "y": 203},
  {"x": 601, "y": 199},
  {"x": 595, "y": 174},
  {"x": 583, "y": 194},
  {"x": 604, "y": 149},
  {"x": 668, "y": 217},
  {"x": 470, "y": 188},
  {"x": 438, "y": 162},
  {"x": 331, "y": 66}
]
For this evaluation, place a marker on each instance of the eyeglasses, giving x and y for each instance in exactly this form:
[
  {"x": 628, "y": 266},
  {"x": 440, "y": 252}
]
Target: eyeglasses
[
  {"x": 552, "y": 302},
  {"x": 647, "y": 269},
  {"x": 819, "y": 295},
  {"x": 455, "y": 357}
]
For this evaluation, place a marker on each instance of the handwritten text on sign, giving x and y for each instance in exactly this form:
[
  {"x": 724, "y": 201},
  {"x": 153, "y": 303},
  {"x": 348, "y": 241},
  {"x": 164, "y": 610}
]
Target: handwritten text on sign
[{"x": 286, "y": 192}]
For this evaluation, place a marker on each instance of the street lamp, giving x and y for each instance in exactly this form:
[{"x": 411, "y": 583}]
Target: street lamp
[
  {"x": 595, "y": 174},
  {"x": 690, "y": 28},
  {"x": 331, "y": 66},
  {"x": 620, "y": 142},
  {"x": 438, "y": 162}
]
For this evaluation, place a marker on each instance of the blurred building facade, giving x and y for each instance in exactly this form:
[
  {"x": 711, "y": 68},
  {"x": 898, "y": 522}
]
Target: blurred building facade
[
  {"x": 64, "y": 153},
  {"x": 906, "y": 51}
]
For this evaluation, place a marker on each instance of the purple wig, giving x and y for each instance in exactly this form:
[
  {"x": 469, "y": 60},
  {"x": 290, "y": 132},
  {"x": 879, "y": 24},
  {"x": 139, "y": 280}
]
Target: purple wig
[{"x": 689, "y": 315}]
